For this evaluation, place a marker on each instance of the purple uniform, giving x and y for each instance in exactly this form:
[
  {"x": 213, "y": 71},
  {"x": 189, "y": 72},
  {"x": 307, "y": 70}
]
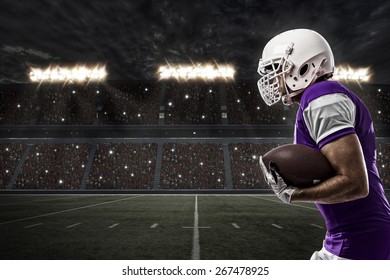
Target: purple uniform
[{"x": 358, "y": 229}]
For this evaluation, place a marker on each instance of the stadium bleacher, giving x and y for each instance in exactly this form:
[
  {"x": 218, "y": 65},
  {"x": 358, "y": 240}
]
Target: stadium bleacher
[
  {"x": 130, "y": 104},
  {"x": 244, "y": 159},
  {"x": 123, "y": 166},
  {"x": 192, "y": 103},
  {"x": 192, "y": 166},
  {"x": 10, "y": 155},
  {"x": 17, "y": 106},
  {"x": 163, "y": 163},
  {"x": 74, "y": 105},
  {"x": 53, "y": 166}
]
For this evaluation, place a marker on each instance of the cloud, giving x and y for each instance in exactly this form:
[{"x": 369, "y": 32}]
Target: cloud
[
  {"x": 18, "y": 50},
  {"x": 133, "y": 37}
]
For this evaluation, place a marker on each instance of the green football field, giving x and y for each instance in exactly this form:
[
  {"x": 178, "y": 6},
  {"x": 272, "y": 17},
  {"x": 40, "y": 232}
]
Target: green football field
[{"x": 130, "y": 227}]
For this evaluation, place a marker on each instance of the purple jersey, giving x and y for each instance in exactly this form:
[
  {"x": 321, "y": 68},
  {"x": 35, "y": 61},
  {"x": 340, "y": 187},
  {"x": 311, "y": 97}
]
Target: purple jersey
[{"x": 358, "y": 229}]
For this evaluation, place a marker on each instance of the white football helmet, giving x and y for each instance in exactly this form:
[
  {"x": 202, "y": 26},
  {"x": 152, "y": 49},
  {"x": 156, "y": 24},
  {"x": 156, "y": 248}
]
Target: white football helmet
[{"x": 293, "y": 60}]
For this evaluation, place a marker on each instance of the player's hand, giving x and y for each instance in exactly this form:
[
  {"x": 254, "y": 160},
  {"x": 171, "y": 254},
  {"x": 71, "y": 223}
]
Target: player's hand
[{"x": 276, "y": 182}]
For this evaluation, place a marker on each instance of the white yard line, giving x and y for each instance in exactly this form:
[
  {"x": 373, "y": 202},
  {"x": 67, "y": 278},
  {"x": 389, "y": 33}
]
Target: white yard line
[
  {"x": 74, "y": 225},
  {"x": 34, "y": 201},
  {"x": 317, "y": 226},
  {"x": 34, "y": 225},
  {"x": 154, "y": 225},
  {"x": 69, "y": 210},
  {"x": 113, "y": 225},
  {"x": 195, "y": 239},
  {"x": 235, "y": 225},
  {"x": 277, "y": 226}
]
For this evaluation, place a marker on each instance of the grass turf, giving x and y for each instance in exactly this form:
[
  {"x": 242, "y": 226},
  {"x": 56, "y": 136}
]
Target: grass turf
[{"x": 78, "y": 227}]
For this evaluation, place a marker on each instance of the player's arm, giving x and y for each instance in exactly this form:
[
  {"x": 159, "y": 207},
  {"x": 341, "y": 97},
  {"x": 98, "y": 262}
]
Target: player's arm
[{"x": 349, "y": 183}]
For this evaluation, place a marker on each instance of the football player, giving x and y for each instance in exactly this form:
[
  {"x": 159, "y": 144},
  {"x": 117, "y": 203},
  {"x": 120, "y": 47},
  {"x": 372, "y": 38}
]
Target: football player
[{"x": 297, "y": 66}]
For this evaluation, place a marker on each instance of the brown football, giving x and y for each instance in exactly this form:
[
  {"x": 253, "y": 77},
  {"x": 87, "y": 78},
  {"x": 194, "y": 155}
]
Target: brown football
[{"x": 299, "y": 165}]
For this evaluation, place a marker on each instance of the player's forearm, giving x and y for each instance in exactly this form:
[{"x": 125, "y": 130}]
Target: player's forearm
[{"x": 334, "y": 190}]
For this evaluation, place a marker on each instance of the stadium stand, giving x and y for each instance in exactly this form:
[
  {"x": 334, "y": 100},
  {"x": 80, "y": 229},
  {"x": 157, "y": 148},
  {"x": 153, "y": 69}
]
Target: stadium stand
[
  {"x": 228, "y": 163},
  {"x": 17, "y": 106},
  {"x": 245, "y": 106},
  {"x": 383, "y": 160},
  {"x": 131, "y": 104},
  {"x": 53, "y": 166},
  {"x": 70, "y": 104},
  {"x": 192, "y": 166},
  {"x": 10, "y": 154},
  {"x": 244, "y": 158},
  {"x": 123, "y": 166},
  {"x": 376, "y": 98},
  {"x": 192, "y": 103}
]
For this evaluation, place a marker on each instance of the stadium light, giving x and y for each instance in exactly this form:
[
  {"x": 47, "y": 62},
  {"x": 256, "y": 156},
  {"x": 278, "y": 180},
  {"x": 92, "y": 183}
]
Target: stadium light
[
  {"x": 350, "y": 74},
  {"x": 208, "y": 72},
  {"x": 64, "y": 74}
]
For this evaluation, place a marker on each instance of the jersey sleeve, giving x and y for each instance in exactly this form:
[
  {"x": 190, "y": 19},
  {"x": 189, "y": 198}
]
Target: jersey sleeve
[{"x": 330, "y": 115}]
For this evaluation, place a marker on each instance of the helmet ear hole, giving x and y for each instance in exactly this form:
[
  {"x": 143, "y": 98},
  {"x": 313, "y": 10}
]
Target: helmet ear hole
[{"x": 303, "y": 70}]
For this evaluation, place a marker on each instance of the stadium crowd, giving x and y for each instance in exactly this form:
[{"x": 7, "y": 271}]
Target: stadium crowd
[
  {"x": 74, "y": 105},
  {"x": 53, "y": 166},
  {"x": 244, "y": 160},
  {"x": 192, "y": 103},
  {"x": 383, "y": 163},
  {"x": 376, "y": 99},
  {"x": 142, "y": 103},
  {"x": 192, "y": 166},
  {"x": 245, "y": 106},
  {"x": 10, "y": 154},
  {"x": 123, "y": 166},
  {"x": 17, "y": 106},
  {"x": 131, "y": 104},
  {"x": 134, "y": 165}
]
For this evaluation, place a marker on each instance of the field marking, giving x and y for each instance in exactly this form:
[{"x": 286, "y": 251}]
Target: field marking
[
  {"x": 317, "y": 226},
  {"x": 235, "y": 225},
  {"x": 193, "y": 227},
  {"x": 154, "y": 225},
  {"x": 74, "y": 225},
  {"x": 291, "y": 204},
  {"x": 277, "y": 226},
  {"x": 195, "y": 238},
  {"x": 113, "y": 225},
  {"x": 33, "y": 201},
  {"x": 69, "y": 210},
  {"x": 34, "y": 225}
]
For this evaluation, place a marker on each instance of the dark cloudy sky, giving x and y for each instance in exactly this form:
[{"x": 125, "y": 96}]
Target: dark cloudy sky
[{"x": 133, "y": 37}]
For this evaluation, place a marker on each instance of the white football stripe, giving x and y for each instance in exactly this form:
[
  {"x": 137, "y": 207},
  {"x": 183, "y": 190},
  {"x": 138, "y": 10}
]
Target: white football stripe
[
  {"x": 317, "y": 226},
  {"x": 277, "y": 226},
  {"x": 113, "y": 225},
  {"x": 34, "y": 225},
  {"x": 74, "y": 225}
]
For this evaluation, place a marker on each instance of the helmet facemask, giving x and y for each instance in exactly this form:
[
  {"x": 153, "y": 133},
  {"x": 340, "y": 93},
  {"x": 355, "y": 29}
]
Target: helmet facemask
[{"x": 272, "y": 74}]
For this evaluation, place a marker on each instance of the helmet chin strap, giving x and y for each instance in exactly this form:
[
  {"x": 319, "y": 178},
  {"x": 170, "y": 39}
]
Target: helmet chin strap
[{"x": 287, "y": 98}]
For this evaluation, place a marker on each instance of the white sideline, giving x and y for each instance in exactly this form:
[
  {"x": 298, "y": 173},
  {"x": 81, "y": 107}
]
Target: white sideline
[
  {"x": 69, "y": 210},
  {"x": 277, "y": 226},
  {"x": 195, "y": 239},
  {"x": 34, "y": 225},
  {"x": 317, "y": 226},
  {"x": 74, "y": 225},
  {"x": 113, "y": 225}
]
